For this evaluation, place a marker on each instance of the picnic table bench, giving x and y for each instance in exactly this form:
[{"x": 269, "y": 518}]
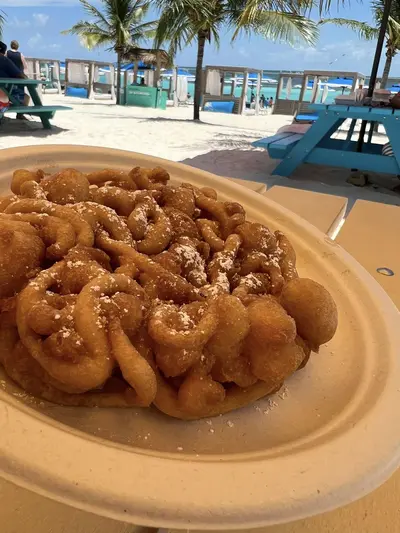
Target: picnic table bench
[
  {"x": 317, "y": 145},
  {"x": 279, "y": 145},
  {"x": 46, "y": 113},
  {"x": 370, "y": 234}
]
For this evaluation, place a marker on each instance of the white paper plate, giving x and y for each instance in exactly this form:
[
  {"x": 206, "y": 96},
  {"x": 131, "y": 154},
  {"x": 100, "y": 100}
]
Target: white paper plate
[{"x": 335, "y": 437}]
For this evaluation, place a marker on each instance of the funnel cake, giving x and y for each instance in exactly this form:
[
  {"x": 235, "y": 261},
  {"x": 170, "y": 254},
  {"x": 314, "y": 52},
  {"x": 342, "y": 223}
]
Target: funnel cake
[{"x": 119, "y": 290}]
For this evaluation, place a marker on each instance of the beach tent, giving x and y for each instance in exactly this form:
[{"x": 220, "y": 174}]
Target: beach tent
[
  {"x": 48, "y": 70},
  {"x": 178, "y": 88},
  {"x": 314, "y": 80},
  {"x": 214, "y": 75},
  {"x": 92, "y": 77}
]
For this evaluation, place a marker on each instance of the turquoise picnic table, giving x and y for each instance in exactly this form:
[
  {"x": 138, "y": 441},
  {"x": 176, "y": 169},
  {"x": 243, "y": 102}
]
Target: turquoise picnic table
[
  {"x": 38, "y": 109},
  {"x": 317, "y": 145}
]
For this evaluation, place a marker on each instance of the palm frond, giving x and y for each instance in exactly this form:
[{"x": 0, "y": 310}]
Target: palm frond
[
  {"x": 91, "y": 41},
  {"x": 83, "y": 28},
  {"x": 118, "y": 22},
  {"x": 393, "y": 30},
  {"x": 289, "y": 28},
  {"x": 94, "y": 12},
  {"x": 138, "y": 10},
  {"x": 178, "y": 5},
  {"x": 174, "y": 30},
  {"x": 324, "y": 6},
  {"x": 2, "y": 21},
  {"x": 363, "y": 29},
  {"x": 378, "y": 7},
  {"x": 144, "y": 29},
  {"x": 246, "y": 12}
]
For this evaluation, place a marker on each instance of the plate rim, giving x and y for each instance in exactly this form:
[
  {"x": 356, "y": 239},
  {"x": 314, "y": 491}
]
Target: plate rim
[{"x": 99, "y": 490}]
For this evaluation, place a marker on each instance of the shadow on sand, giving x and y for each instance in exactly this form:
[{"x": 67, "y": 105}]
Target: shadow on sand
[
  {"x": 188, "y": 120},
  {"x": 255, "y": 165},
  {"x": 25, "y": 128}
]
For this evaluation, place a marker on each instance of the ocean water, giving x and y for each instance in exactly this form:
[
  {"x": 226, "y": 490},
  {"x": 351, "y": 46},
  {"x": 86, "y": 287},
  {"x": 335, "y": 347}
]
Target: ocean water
[{"x": 269, "y": 92}]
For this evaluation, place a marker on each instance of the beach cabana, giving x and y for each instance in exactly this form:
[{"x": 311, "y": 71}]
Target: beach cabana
[
  {"x": 178, "y": 84},
  {"x": 214, "y": 96},
  {"x": 92, "y": 77},
  {"x": 47, "y": 70},
  {"x": 312, "y": 85}
]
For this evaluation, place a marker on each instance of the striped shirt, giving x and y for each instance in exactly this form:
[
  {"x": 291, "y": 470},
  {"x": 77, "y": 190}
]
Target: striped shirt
[{"x": 387, "y": 150}]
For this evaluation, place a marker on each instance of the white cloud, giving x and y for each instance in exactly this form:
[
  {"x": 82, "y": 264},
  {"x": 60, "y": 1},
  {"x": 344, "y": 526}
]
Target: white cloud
[
  {"x": 40, "y": 19},
  {"x": 243, "y": 52},
  {"x": 35, "y": 40},
  {"x": 53, "y": 46},
  {"x": 15, "y": 22}
]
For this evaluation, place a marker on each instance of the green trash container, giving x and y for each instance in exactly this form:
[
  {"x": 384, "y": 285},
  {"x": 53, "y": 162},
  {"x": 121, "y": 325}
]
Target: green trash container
[
  {"x": 162, "y": 97},
  {"x": 141, "y": 96},
  {"x": 122, "y": 96}
]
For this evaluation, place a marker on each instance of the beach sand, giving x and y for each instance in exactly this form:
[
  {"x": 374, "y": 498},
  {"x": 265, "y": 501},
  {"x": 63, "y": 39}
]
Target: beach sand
[{"x": 220, "y": 143}]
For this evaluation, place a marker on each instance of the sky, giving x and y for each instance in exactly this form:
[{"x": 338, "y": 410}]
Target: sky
[{"x": 37, "y": 25}]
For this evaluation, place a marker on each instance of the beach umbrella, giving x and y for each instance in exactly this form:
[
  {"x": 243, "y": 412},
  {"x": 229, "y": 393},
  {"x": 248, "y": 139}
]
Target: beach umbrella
[
  {"x": 180, "y": 71},
  {"x": 340, "y": 83},
  {"x": 288, "y": 88},
  {"x": 375, "y": 65}
]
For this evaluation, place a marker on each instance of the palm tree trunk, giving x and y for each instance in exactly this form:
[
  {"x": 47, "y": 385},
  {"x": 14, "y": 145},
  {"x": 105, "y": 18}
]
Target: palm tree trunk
[
  {"x": 390, "y": 53},
  {"x": 201, "y": 42},
  {"x": 119, "y": 61}
]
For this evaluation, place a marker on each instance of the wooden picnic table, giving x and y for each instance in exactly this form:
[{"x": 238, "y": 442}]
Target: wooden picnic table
[
  {"x": 317, "y": 145},
  {"x": 44, "y": 112},
  {"x": 379, "y": 512}
]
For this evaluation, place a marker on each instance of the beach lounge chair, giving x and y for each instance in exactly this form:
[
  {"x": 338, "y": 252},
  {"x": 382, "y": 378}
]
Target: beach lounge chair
[{"x": 305, "y": 118}]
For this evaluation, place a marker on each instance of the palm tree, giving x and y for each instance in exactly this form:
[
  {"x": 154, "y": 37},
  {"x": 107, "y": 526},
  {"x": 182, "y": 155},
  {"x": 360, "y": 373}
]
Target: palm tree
[
  {"x": 368, "y": 32},
  {"x": 183, "y": 22},
  {"x": 120, "y": 24},
  {"x": 2, "y": 21}
]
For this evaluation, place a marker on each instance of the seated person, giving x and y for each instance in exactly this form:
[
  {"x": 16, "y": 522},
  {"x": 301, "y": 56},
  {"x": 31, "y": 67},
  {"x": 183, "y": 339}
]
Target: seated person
[
  {"x": 9, "y": 70},
  {"x": 139, "y": 83},
  {"x": 395, "y": 101},
  {"x": 17, "y": 57}
]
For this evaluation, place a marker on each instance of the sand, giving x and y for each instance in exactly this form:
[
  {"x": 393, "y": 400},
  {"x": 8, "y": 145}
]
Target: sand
[{"x": 220, "y": 143}]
